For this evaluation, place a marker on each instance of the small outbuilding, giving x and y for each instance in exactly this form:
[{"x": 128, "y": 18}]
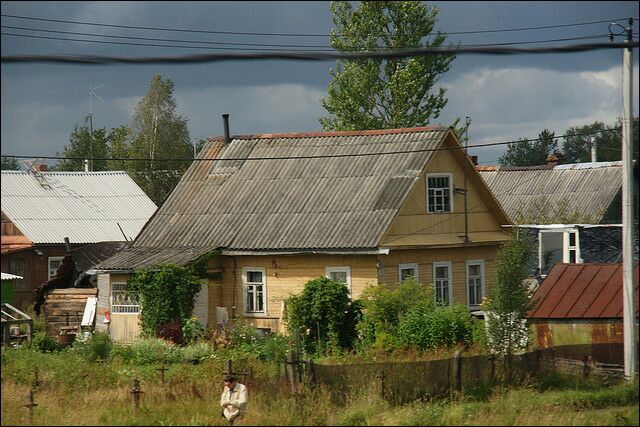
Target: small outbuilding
[{"x": 580, "y": 304}]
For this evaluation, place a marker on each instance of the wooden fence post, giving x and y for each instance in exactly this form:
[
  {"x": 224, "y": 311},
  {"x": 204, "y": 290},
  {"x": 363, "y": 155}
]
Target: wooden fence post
[
  {"x": 136, "y": 392},
  {"x": 311, "y": 372},
  {"x": 586, "y": 368},
  {"x": 457, "y": 371},
  {"x": 291, "y": 371},
  {"x": 382, "y": 384},
  {"x": 32, "y": 404},
  {"x": 492, "y": 358},
  {"x": 36, "y": 380}
]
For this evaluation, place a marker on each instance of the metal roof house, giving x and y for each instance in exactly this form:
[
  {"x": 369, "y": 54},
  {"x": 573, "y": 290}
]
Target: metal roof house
[
  {"x": 572, "y": 211},
  {"x": 40, "y": 208},
  {"x": 580, "y": 304},
  {"x": 362, "y": 207}
]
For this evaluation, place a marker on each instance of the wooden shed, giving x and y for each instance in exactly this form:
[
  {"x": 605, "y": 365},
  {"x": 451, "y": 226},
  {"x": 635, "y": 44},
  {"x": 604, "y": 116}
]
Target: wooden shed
[
  {"x": 580, "y": 304},
  {"x": 65, "y": 308}
]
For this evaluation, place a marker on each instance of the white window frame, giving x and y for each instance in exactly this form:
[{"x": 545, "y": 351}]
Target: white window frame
[
  {"x": 449, "y": 278},
  {"x": 440, "y": 175},
  {"x": 341, "y": 269},
  {"x": 245, "y": 290},
  {"x": 122, "y": 308},
  {"x": 566, "y": 247},
  {"x": 49, "y": 259},
  {"x": 413, "y": 266},
  {"x": 469, "y": 263}
]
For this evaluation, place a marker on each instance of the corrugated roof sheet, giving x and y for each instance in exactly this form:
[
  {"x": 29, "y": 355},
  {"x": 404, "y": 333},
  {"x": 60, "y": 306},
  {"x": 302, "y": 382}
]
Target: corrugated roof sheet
[
  {"x": 584, "y": 188},
  {"x": 283, "y": 201},
  {"x": 86, "y": 207},
  {"x": 581, "y": 291}
]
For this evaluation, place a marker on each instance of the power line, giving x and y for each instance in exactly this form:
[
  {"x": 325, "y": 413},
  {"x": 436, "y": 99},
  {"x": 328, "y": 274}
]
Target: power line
[
  {"x": 324, "y": 156},
  {"x": 309, "y": 55},
  {"x": 316, "y": 48},
  {"x": 136, "y": 27},
  {"x": 321, "y": 47}
]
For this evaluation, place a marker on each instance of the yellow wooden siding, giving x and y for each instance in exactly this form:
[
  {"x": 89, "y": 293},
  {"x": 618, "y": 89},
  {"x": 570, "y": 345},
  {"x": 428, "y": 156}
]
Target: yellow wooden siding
[
  {"x": 457, "y": 256},
  {"x": 412, "y": 218},
  {"x": 285, "y": 275}
]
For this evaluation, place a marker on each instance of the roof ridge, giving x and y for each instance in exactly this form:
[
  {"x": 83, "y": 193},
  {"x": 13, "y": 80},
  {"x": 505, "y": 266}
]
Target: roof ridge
[{"x": 321, "y": 134}]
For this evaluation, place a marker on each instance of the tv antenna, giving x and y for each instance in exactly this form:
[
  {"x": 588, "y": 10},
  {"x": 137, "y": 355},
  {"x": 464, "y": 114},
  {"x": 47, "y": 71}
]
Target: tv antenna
[{"x": 92, "y": 93}]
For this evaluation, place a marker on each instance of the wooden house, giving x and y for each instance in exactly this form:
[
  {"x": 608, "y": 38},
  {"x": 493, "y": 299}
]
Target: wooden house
[
  {"x": 579, "y": 304},
  {"x": 573, "y": 212},
  {"x": 40, "y": 208},
  {"x": 361, "y": 207}
]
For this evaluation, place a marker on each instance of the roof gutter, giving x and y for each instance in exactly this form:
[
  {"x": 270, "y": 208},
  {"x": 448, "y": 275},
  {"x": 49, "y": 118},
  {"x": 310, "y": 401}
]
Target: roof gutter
[{"x": 378, "y": 251}]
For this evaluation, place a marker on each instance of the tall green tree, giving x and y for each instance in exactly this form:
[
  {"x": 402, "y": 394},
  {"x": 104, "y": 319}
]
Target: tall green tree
[
  {"x": 383, "y": 94},
  {"x": 508, "y": 302},
  {"x": 524, "y": 152},
  {"x": 157, "y": 133},
  {"x": 83, "y": 146},
  {"x": 608, "y": 140},
  {"x": 10, "y": 163}
]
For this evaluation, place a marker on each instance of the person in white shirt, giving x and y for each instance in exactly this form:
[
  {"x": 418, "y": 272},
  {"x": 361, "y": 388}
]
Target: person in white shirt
[{"x": 233, "y": 399}]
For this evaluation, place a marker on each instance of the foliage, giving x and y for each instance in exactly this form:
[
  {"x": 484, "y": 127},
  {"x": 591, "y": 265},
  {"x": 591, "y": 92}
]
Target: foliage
[
  {"x": 243, "y": 334},
  {"x": 148, "y": 351},
  {"x": 507, "y": 306},
  {"x": 608, "y": 140},
  {"x": 441, "y": 327},
  {"x": 43, "y": 342},
  {"x": 9, "y": 163},
  {"x": 274, "y": 348},
  {"x": 97, "y": 348},
  {"x": 538, "y": 210},
  {"x": 166, "y": 293},
  {"x": 381, "y": 94},
  {"x": 385, "y": 305},
  {"x": 170, "y": 331},
  {"x": 157, "y": 132},
  {"x": 192, "y": 330},
  {"x": 323, "y": 315},
  {"x": 119, "y": 148},
  {"x": 83, "y": 144},
  {"x": 526, "y": 152}
]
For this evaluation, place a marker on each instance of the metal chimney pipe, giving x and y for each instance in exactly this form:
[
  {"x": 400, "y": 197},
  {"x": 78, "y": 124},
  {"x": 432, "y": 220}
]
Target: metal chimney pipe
[
  {"x": 227, "y": 137},
  {"x": 67, "y": 245}
]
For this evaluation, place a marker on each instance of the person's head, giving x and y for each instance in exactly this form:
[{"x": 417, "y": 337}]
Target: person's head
[{"x": 229, "y": 381}]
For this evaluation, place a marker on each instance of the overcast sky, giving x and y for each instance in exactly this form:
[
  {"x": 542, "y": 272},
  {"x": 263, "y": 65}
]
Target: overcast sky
[{"x": 506, "y": 97}]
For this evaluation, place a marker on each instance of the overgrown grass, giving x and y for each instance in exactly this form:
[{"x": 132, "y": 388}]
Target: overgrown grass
[{"x": 77, "y": 391}]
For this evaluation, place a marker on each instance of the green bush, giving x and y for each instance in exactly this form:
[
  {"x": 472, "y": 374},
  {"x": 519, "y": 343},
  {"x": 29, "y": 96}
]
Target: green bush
[
  {"x": 385, "y": 305},
  {"x": 96, "y": 348},
  {"x": 149, "y": 351},
  {"x": 198, "y": 352},
  {"x": 274, "y": 349},
  {"x": 442, "y": 327},
  {"x": 323, "y": 316},
  {"x": 192, "y": 330},
  {"x": 44, "y": 343}
]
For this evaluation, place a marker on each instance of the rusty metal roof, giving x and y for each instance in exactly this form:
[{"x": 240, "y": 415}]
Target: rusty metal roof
[
  {"x": 581, "y": 291},
  {"x": 585, "y": 189},
  {"x": 290, "y": 197}
]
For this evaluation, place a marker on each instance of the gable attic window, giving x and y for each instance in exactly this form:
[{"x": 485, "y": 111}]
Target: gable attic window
[{"x": 439, "y": 191}]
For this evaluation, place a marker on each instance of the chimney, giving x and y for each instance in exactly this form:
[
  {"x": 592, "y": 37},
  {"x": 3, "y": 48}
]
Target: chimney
[
  {"x": 474, "y": 160},
  {"x": 556, "y": 158},
  {"x": 227, "y": 138},
  {"x": 67, "y": 245}
]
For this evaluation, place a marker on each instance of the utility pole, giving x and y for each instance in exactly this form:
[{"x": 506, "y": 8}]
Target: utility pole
[
  {"x": 466, "y": 144},
  {"x": 629, "y": 314},
  {"x": 594, "y": 154}
]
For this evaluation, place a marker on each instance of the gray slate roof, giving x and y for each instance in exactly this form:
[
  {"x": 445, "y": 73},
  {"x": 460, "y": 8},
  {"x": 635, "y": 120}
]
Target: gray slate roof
[
  {"x": 86, "y": 207},
  {"x": 289, "y": 198},
  {"x": 587, "y": 189}
]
